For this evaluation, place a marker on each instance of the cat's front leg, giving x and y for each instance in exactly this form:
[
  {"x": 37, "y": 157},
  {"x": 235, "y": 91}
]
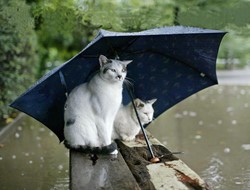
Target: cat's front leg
[
  {"x": 125, "y": 137},
  {"x": 104, "y": 131}
]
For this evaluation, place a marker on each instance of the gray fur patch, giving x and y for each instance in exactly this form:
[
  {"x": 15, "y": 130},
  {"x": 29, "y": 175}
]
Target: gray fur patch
[
  {"x": 105, "y": 70},
  {"x": 70, "y": 122}
]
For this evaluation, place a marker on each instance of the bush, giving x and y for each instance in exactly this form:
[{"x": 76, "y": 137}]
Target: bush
[{"x": 18, "y": 59}]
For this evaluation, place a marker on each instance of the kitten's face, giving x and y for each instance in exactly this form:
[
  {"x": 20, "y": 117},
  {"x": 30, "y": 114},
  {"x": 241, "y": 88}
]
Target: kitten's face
[
  {"x": 145, "y": 110},
  {"x": 113, "y": 70}
]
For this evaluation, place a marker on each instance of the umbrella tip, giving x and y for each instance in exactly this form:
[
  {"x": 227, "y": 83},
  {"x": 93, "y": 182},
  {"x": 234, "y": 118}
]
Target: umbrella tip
[{"x": 155, "y": 160}]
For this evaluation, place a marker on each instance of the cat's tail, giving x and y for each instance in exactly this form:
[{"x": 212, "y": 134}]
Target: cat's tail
[{"x": 109, "y": 149}]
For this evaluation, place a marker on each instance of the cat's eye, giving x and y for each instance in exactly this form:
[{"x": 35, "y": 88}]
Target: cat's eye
[
  {"x": 124, "y": 70},
  {"x": 113, "y": 70},
  {"x": 146, "y": 113}
]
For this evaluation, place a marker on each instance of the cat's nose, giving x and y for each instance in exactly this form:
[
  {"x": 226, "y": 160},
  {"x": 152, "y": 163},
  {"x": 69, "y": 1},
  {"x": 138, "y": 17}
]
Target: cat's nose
[{"x": 119, "y": 77}]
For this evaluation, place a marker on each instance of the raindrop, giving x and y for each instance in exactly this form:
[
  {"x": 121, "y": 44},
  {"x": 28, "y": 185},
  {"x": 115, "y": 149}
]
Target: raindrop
[
  {"x": 245, "y": 146},
  {"x": 14, "y": 157},
  {"x": 26, "y": 154},
  {"x": 60, "y": 167},
  {"x": 238, "y": 183},
  {"x": 234, "y": 122},
  {"x": 1, "y": 158},
  {"x": 246, "y": 105},
  {"x": 22, "y": 174},
  {"x": 197, "y": 137},
  {"x": 202, "y": 74},
  {"x": 178, "y": 115},
  {"x": 229, "y": 109},
  {"x": 17, "y": 135},
  {"x": 242, "y": 92},
  {"x": 185, "y": 112},
  {"x": 42, "y": 158},
  {"x": 219, "y": 122},
  {"x": 192, "y": 114},
  {"x": 38, "y": 138},
  {"x": 227, "y": 150},
  {"x": 51, "y": 133},
  {"x": 30, "y": 162},
  {"x": 42, "y": 129},
  {"x": 200, "y": 123},
  {"x": 19, "y": 128},
  {"x": 23, "y": 123}
]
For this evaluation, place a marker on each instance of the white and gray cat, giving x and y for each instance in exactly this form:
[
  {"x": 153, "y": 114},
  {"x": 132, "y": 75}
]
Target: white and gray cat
[
  {"x": 91, "y": 108},
  {"x": 126, "y": 125}
]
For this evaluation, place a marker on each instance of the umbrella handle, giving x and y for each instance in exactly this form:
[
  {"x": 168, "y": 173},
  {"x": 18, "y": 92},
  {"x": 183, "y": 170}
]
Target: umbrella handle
[{"x": 153, "y": 159}]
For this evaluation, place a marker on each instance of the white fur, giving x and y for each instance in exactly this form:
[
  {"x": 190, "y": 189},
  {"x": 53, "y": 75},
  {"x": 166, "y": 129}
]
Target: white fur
[
  {"x": 126, "y": 125},
  {"x": 93, "y": 106}
]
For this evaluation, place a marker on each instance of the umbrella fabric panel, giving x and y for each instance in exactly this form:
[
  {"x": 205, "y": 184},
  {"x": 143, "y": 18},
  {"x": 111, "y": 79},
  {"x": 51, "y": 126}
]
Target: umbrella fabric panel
[
  {"x": 195, "y": 50},
  {"x": 46, "y": 104},
  {"x": 37, "y": 103},
  {"x": 165, "y": 79}
]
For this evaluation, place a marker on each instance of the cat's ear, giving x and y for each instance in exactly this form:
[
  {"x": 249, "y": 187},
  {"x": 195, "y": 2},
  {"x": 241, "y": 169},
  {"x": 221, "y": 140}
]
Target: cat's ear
[
  {"x": 125, "y": 63},
  {"x": 151, "y": 101},
  {"x": 138, "y": 103},
  {"x": 103, "y": 60}
]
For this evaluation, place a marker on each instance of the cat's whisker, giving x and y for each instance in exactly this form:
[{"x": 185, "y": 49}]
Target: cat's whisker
[
  {"x": 129, "y": 83},
  {"x": 129, "y": 79}
]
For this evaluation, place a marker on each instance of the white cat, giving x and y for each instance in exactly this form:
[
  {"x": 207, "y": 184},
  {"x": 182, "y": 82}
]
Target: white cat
[
  {"x": 91, "y": 108},
  {"x": 126, "y": 125}
]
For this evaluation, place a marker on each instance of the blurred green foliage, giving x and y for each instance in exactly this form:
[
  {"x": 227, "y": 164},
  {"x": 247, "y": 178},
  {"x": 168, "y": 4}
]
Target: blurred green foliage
[
  {"x": 18, "y": 57},
  {"x": 37, "y": 35}
]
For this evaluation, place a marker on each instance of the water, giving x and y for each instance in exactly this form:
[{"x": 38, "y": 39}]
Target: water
[
  {"x": 32, "y": 158},
  {"x": 213, "y": 129}
]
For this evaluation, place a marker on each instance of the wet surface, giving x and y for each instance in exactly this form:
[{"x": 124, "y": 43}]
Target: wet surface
[
  {"x": 32, "y": 158},
  {"x": 212, "y": 129}
]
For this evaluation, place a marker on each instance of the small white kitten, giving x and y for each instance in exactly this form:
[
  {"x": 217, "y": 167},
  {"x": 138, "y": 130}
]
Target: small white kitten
[{"x": 126, "y": 125}]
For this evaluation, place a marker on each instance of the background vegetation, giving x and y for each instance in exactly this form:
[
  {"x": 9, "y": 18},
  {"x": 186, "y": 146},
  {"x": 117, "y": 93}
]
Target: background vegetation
[{"x": 37, "y": 35}]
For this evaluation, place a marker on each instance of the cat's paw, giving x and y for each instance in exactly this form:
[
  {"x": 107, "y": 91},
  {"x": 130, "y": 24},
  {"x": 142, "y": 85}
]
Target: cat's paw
[
  {"x": 114, "y": 152},
  {"x": 128, "y": 138}
]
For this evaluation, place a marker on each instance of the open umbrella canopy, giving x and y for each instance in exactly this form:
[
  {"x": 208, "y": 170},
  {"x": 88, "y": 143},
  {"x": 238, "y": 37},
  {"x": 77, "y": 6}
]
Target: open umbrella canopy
[{"x": 169, "y": 63}]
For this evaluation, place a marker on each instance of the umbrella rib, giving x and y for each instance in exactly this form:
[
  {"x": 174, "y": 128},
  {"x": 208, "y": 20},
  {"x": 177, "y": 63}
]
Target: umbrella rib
[
  {"x": 115, "y": 51},
  {"x": 142, "y": 129}
]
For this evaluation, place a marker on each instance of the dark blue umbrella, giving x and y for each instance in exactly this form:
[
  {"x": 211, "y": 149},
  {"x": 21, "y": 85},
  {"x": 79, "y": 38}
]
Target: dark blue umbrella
[{"x": 169, "y": 63}]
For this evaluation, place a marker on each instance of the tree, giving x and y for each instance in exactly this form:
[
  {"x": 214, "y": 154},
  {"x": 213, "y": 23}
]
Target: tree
[{"x": 18, "y": 58}]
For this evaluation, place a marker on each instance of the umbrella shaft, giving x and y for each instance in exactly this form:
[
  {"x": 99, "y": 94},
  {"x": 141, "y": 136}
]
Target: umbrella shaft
[{"x": 142, "y": 128}]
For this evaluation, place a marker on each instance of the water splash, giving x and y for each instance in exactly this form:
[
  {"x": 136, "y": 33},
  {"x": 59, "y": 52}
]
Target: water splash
[
  {"x": 213, "y": 174},
  {"x": 245, "y": 146}
]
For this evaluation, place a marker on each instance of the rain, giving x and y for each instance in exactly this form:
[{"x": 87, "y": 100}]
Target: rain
[{"x": 211, "y": 127}]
